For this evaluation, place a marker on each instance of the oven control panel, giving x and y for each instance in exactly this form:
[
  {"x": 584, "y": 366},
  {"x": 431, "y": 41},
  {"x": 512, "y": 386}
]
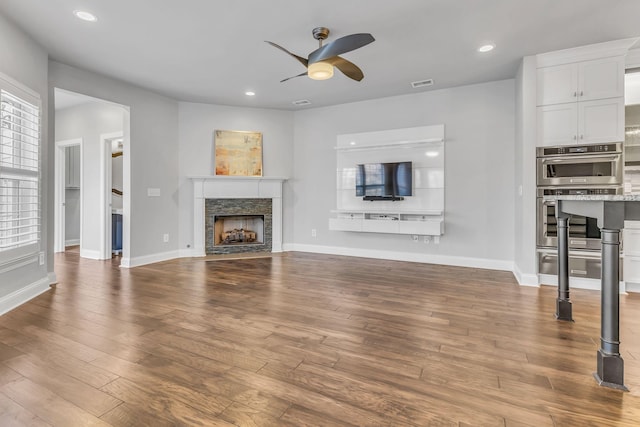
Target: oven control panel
[
  {"x": 579, "y": 149},
  {"x": 577, "y": 191}
]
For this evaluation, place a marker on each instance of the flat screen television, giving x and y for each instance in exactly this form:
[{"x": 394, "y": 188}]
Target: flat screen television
[{"x": 384, "y": 181}]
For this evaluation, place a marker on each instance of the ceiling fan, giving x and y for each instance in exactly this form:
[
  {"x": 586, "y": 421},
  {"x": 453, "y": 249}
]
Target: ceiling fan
[{"x": 321, "y": 61}]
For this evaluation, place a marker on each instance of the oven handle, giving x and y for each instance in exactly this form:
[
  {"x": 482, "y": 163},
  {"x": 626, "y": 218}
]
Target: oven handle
[
  {"x": 552, "y": 253},
  {"x": 581, "y": 159}
]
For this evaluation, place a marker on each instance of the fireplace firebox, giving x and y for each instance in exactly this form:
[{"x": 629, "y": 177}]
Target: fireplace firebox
[
  {"x": 238, "y": 225},
  {"x": 238, "y": 230}
]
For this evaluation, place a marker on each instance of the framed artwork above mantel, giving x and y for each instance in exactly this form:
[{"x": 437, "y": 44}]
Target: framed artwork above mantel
[{"x": 237, "y": 153}]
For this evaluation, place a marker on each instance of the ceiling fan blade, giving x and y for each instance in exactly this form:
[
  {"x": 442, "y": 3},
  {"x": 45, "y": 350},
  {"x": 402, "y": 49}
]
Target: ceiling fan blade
[
  {"x": 293, "y": 77},
  {"x": 302, "y": 60},
  {"x": 342, "y": 45},
  {"x": 347, "y": 68}
]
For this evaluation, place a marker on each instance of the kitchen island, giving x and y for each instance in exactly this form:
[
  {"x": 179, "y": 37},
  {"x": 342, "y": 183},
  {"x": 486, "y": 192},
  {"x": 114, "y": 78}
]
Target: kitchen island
[{"x": 610, "y": 211}]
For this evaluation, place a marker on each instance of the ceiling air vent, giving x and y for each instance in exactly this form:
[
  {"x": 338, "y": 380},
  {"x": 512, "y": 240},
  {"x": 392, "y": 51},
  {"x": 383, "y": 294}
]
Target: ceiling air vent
[
  {"x": 422, "y": 83},
  {"x": 302, "y": 102}
]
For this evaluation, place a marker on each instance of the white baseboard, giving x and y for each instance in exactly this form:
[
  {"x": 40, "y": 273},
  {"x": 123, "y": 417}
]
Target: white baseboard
[
  {"x": 579, "y": 283},
  {"x": 72, "y": 242},
  {"x": 187, "y": 253},
  {"x": 53, "y": 279},
  {"x": 149, "y": 259},
  {"x": 19, "y": 297},
  {"x": 90, "y": 254},
  {"x": 525, "y": 279},
  {"x": 632, "y": 287},
  {"x": 489, "y": 264}
]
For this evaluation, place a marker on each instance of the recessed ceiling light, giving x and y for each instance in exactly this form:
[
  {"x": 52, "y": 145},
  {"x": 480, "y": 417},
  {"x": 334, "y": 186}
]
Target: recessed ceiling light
[
  {"x": 85, "y": 16},
  {"x": 432, "y": 153},
  {"x": 352, "y": 143},
  {"x": 249, "y": 93},
  {"x": 486, "y": 48}
]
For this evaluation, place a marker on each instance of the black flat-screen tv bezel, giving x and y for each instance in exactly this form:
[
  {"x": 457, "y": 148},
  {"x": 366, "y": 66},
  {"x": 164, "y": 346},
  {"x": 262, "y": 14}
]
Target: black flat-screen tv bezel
[{"x": 391, "y": 190}]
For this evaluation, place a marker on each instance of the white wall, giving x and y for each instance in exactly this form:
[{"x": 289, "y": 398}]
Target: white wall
[
  {"x": 479, "y": 204},
  {"x": 25, "y": 61},
  {"x": 151, "y": 155},
  {"x": 89, "y": 121},
  {"x": 197, "y": 123},
  {"x": 524, "y": 189}
]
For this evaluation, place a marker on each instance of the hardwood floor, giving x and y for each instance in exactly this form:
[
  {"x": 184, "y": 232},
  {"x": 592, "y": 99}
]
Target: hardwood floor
[{"x": 306, "y": 340}]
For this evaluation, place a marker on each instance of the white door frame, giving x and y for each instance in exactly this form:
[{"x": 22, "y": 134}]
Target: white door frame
[
  {"x": 105, "y": 192},
  {"x": 59, "y": 192}
]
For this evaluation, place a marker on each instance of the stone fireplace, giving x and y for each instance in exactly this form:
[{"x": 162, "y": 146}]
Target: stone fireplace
[
  {"x": 237, "y": 225},
  {"x": 237, "y": 199}
]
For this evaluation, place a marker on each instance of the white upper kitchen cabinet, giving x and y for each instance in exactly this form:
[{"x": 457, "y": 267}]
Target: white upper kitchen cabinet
[
  {"x": 581, "y": 81},
  {"x": 601, "y": 121},
  {"x": 557, "y": 124},
  {"x": 581, "y": 102},
  {"x": 589, "y": 122},
  {"x": 557, "y": 84}
]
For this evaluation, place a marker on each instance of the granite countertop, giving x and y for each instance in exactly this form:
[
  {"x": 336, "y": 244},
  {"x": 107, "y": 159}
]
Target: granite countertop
[{"x": 598, "y": 197}]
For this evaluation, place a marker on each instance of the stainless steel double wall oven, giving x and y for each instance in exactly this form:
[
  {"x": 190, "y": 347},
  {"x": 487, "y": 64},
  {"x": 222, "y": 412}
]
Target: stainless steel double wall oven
[{"x": 579, "y": 169}]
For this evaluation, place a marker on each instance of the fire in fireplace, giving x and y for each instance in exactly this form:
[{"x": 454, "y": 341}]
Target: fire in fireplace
[{"x": 238, "y": 230}]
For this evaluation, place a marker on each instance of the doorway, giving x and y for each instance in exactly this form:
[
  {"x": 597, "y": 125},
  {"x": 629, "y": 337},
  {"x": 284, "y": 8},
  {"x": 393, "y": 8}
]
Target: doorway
[
  {"x": 112, "y": 193},
  {"x": 68, "y": 194},
  {"x": 101, "y": 129}
]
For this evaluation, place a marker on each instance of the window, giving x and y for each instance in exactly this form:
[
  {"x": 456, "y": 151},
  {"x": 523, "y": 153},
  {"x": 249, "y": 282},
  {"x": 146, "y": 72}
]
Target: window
[{"x": 19, "y": 169}]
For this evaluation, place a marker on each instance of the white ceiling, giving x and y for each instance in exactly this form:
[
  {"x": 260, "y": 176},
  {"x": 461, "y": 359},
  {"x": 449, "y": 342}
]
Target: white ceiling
[{"x": 213, "y": 51}]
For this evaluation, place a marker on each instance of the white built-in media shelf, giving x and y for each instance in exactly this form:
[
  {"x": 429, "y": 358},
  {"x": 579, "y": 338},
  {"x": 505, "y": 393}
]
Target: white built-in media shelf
[
  {"x": 423, "y": 223},
  {"x": 421, "y": 213}
]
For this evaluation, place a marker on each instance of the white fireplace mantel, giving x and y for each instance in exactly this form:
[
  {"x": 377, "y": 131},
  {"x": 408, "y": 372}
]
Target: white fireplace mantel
[{"x": 234, "y": 187}]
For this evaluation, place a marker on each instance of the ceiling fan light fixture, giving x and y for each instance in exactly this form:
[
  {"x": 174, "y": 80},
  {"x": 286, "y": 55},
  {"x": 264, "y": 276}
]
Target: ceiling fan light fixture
[{"x": 320, "y": 71}]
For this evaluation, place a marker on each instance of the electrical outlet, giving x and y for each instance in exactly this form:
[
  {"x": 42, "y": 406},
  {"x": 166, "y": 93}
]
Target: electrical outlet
[
  {"x": 41, "y": 258},
  {"x": 165, "y": 238},
  {"x": 416, "y": 238},
  {"x": 427, "y": 239},
  {"x": 314, "y": 233},
  {"x": 436, "y": 240}
]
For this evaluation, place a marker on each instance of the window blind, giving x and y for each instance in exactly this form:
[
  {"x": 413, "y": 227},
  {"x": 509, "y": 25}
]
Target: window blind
[{"x": 19, "y": 171}]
